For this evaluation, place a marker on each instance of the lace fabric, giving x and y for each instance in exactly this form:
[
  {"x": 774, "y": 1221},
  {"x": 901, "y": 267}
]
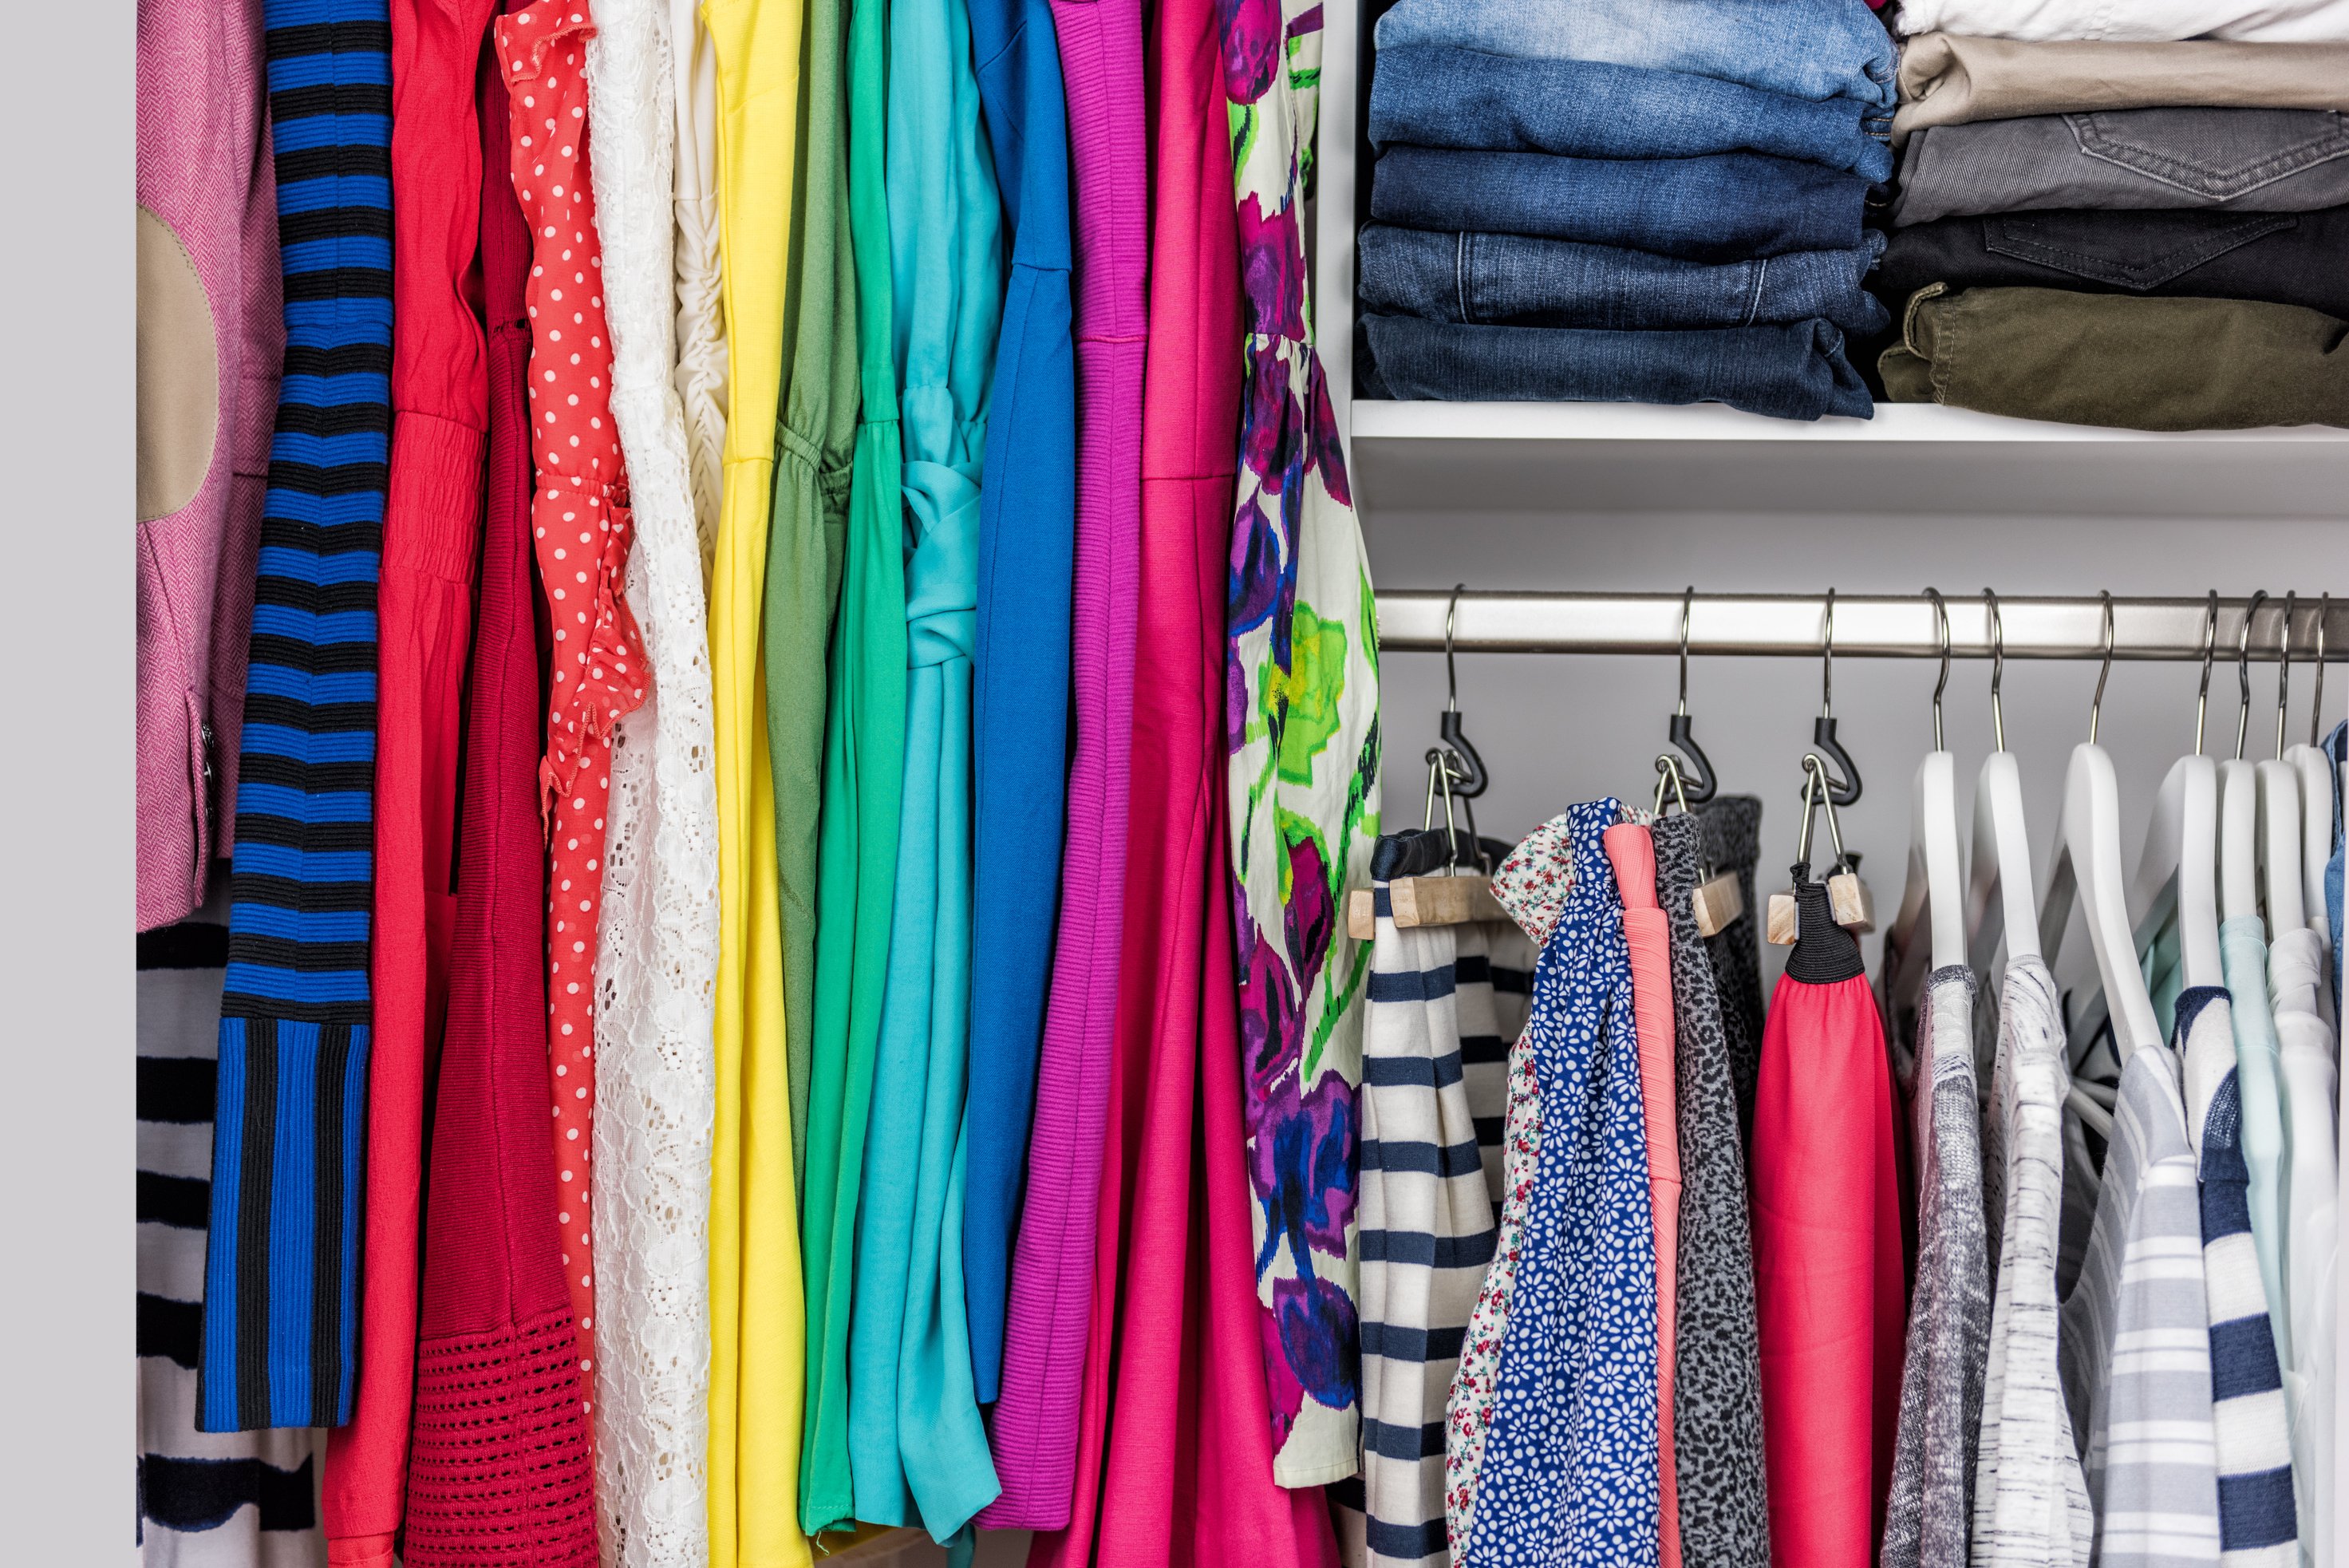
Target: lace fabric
[
  {"x": 698, "y": 360},
  {"x": 658, "y": 957}
]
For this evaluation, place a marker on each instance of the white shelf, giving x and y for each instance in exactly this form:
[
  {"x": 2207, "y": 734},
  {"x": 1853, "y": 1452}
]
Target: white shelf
[{"x": 1382, "y": 420}]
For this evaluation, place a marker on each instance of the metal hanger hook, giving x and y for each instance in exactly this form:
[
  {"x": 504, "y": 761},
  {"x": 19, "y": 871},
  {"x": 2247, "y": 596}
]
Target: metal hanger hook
[
  {"x": 1842, "y": 785},
  {"x": 2284, "y": 668},
  {"x": 1695, "y": 777},
  {"x": 1471, "y": 778},
  {"x": 1941, "y": 622},
  {"x": 1451, "y": 670},
  {"x": 2096, "y": 705},
  {"x": 1997, "y": 670},
  {"x": 2243, "y": 673},
  {"x": 1826, "y": 668},
  {"x": 2210, "y": 646},
  {"x": 2316, "y": 700},
  {"x": 1668, "y": 776}
]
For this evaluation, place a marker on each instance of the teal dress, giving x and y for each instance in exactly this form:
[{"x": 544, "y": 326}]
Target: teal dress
[{"x": 915, "y": 1432}]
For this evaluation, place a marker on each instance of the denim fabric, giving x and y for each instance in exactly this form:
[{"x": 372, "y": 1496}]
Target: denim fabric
[
  {"x": 1795, "y": 370},
  {"x": 2283, "y": 258},
  {"x": 1725, "y": 207},
  {"x": 1516, "y": 280},
  {"x": 1436, "y": 95},
  {"x": 2138, "y": 364},
  {"x": 2246, "y": 160},
  {"x": 1808, "y": 48}
]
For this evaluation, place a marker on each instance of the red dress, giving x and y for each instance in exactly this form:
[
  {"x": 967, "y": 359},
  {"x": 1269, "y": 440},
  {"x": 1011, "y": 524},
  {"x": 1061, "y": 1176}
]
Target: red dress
[
  {"x": 1827, "y": 1270},
  {"x": 499, "y": 1473}
]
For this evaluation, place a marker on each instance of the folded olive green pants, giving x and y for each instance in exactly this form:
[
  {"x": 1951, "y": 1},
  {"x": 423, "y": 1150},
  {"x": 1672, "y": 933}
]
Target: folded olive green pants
[{"x": 2106, "y": 359}]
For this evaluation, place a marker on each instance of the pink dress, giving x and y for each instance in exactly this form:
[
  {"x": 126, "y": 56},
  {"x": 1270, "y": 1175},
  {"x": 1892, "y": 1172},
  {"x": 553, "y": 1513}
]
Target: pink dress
[{"x": 1647, "y": 929}]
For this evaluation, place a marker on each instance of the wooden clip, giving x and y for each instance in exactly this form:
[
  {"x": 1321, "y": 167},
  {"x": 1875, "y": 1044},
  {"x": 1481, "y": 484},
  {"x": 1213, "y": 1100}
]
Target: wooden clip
[
  {"x": 1425, "y": 901},
  {"x": 1849, "y": 902},
  {"x": 1718, "y": 903}
]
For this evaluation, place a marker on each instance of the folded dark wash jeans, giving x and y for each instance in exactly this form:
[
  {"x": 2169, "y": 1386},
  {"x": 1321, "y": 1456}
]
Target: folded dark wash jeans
[
  {"x": 1431, "y": 95},
  {"x": 1811, "y": 48},
  {"x": 2136, "y": 364},
  {"x": 1723, "y": 207},
  {"x": 1790, "y": 370},
  {"x": 2283, "y": 258},
  {"x": 2245, "y": 160},
  {"x": 1518, "y": 280}
]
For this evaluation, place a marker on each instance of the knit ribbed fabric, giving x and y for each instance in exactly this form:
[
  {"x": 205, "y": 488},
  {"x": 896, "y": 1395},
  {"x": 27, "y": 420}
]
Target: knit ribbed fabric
[
  {"x": 499, "y": 1471},
  {"x": 1034, "y": 1429},
  {"x": 281, "y": 1278}
]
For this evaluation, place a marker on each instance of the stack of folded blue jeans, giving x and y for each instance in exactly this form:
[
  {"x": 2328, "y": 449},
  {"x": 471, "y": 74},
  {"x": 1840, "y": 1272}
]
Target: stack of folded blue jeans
[{"x": 1625, "y": 201}]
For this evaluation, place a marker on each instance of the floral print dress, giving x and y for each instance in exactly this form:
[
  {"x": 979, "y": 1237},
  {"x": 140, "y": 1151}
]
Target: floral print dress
[{"x": 1302, "y": 716}]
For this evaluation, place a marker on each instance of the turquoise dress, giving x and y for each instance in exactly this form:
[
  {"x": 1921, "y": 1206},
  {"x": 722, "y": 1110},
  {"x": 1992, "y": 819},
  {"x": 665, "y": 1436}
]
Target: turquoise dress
[{"x": 915, "y": 1433}]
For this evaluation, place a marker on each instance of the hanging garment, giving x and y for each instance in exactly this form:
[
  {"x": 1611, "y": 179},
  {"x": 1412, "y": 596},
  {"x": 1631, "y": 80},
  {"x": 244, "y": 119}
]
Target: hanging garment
[
  {"x": 2243, "y": 948},
  {"x": 756, "y": 1308},
  {"x": 2306, "y": 1050},
  {"x": 1724, "y": 1520},
  {"x": 2031, "y": 1503},
  {"x": 280, "y": 1292},
  {"x": 1732, "y": 824},
  {"x": 1930, "y": 1510},
  {"x": 212, "y": 339},
  {"x": 1826, "y": 1250},
  {"x": 2134, "y": 1348},
  {"x": 582, "y": 531},
  {"x": 1034, "y": 1431},
  {"x": 498, "y": 1469},
  {"x": 657, "y": 962},
  {"x": 1570, "y": 1458},
  {"x": 1647, "y": 931},
  {"x": 1304, "y": 766},
  {"x": 1426, "y": 1219},
  {"x": 2258, "y": 1522},
  {"x": 424, "y": 616},
  {"x": 815, "y": 452},
  {"x": 1174, "y": 1439},
  {"x": 700, "y": 368},
  {"x": 226, "y": 1499},
  {"x": 863, "y": 775},
  {"x": 1493, "y": 979},
  {"x": 1019, "y": 659},
  {"x": 913, "y": 1416}
]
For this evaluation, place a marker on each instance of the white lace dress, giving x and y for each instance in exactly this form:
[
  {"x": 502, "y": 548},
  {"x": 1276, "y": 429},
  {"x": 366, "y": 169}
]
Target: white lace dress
[
  {"x": 698, "y": 358},
  {"x": 658, "y": 960}
]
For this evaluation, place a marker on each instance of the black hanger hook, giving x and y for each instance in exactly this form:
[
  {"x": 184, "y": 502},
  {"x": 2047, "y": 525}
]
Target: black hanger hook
[
  {"x": 1474, "y": 777},
  {"x": 1696, "y": 783},
  {"x": 1842, "y": 786}
]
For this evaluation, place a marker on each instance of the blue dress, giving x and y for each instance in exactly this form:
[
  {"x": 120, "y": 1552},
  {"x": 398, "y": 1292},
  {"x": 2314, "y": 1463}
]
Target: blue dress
[
  {"x": 1020, "y": 711},
  {"x": 1570, "y": 1458},
  {"x": 913, "y": 1426}
]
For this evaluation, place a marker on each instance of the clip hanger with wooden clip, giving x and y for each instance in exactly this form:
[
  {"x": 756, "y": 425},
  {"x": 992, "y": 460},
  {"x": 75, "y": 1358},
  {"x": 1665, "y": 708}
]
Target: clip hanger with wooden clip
[
  {"x": 1847, "y": 896},
  {"x": 1451, "y": 896},
  {"x": 1718, "y": 899}
]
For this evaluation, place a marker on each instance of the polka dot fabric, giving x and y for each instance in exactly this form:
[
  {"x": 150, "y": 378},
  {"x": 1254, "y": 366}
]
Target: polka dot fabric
[{"x": 580, "y": 529}]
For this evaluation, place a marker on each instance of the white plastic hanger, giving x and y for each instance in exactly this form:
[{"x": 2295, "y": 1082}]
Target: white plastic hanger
[
  {"x": 1998, "y": 878},
  {"x": 2315, "y": 795},
  {"x": 2179, "y": 870},
  {"x": 2239, "y": 800},
  {"x": 2280, "y": 877},
  {"x": 2088, "y": 864},
  {"x": 1930, "y": 925}
]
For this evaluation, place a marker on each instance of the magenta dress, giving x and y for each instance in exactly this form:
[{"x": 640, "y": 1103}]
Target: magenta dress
[{"x": 1034, "y": 1426}]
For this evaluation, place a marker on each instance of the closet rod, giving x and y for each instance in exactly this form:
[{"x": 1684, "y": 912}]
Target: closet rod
[{"x": 1900, "y": 625}]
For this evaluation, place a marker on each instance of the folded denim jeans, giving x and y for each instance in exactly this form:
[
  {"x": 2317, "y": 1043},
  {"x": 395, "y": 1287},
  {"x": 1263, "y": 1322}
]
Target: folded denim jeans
[
  {"x": 1807, "y": 48},
  {"x": 2283, "y": 258},
  {"x": 2136, "y": 364},
  {"x": 2244, "y": 160},
  {"x": 1791, "y": 370},
  {"x": 1727, "y": 206},
  {"x": 1436, "y": 95},
  {"x": 2146, "y": 21},
  {"x": 1946, "y": 80},
  {"x": 1518, "y": 280}
]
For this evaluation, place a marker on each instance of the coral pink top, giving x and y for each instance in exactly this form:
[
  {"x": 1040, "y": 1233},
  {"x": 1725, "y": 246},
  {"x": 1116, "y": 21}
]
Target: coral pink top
[{"x": 1632, "y": 852}]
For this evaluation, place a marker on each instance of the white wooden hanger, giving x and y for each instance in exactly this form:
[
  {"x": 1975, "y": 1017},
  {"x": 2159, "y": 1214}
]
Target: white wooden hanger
[
  {"x": 2087, "y": 863},
  {"x": 2239, "y": 800},
  {"x": 1930, "y": 925},
  {"x": 2177, "y": 872},
  {"x": 1999, "y": 877}
]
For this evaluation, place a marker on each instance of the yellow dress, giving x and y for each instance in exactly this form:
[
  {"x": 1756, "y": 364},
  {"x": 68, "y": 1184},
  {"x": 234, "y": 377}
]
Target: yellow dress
[{"x": 757, "y": 1312}]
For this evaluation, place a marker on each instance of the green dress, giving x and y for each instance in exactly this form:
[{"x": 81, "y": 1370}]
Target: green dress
[
  {"x": 863, "y": 760},
  {"x": 814, "y": 445}
]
